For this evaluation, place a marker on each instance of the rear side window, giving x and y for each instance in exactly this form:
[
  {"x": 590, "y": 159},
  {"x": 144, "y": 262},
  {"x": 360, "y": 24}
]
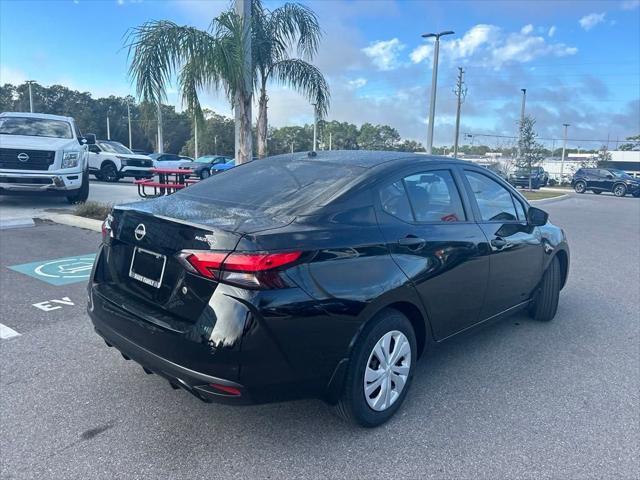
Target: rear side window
[
  {"x": 275, "y": 184},
  {"x": 395, "y": 202},
  {"x": 434, "y": 197},
  {"x": 494, "y": 200}
]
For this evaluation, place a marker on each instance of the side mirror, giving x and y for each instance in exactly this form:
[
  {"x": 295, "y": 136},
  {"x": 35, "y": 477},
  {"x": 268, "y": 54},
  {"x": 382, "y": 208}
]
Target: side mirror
[
  {"x": 537, "y": 217},
  {"x": 90, "y": 138}
]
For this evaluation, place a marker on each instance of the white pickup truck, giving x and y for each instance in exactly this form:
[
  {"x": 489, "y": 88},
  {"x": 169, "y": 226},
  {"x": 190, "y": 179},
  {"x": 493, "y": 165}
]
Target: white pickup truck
[{"x": 43, "y": 154}]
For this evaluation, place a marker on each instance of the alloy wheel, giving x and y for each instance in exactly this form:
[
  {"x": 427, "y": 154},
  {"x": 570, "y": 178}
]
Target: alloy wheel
[
  {"x": 619, "y": 191},
  {"x": 387, "y": 370},
  {"x": 580, "y": 187}
]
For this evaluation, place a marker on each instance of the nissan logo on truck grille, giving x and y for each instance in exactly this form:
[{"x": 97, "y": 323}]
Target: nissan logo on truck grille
[{"x": 23, "y": 157}]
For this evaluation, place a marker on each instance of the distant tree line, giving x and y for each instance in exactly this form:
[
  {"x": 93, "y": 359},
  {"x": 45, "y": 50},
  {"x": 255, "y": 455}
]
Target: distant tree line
[{"x": 216, "y": 134}]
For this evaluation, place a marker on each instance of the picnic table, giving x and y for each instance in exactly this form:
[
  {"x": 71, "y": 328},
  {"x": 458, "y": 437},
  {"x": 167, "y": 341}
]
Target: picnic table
[{"x": 170, "y": 180}]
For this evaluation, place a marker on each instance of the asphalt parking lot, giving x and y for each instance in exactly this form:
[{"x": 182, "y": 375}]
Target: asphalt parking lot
[{"x": 516, "y": 399}]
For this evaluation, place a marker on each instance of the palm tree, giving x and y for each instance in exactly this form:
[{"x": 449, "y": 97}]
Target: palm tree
[
  {"x": 200, "y": 59},
  {"x": 220, "y": 57},
  {"x": 275, "y": 33}
]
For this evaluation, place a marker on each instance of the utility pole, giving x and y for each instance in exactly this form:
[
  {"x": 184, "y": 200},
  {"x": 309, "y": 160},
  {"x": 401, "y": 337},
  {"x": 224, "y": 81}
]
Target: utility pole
[
  {"x": 195, "y": 136},
  {"x": 329, "y": 141},
  {"x": 160, "y": 139},
  {"x": 291, "y": 146},
  {"x": 461, "y": 93},
  {"x": 30, "y": 82},
  {"x": 564, "y": 149},
  {"x": 108, "y": 127},
  {"x": 434, "y": 84},
  {"x": 129, "y": 122},
  {"x": 215, "y": 144},
  {"x": 315, "y": 126}
]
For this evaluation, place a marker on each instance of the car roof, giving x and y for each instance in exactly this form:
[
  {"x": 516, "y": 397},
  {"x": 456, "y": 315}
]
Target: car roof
[
  {"x": 365, "y": 158},
  {"x": 36, "y": 115}
]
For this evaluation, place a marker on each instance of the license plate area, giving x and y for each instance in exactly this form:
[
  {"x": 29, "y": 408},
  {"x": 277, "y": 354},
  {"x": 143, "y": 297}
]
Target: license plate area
[{"x": 147, "y": 267}]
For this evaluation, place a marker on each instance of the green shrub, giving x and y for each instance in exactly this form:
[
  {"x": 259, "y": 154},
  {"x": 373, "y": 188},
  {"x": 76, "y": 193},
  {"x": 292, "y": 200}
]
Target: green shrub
[{"x": 95, "y": 210}]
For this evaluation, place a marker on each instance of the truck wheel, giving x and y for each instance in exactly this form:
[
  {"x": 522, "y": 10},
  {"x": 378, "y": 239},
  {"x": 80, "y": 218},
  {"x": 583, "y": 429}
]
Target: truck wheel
[
  {"x": 108, "y": 172},
  {"x": 82, "y": 193},
  {"x": 620, "y": 190},
  {"x": 380, "y": 370}
]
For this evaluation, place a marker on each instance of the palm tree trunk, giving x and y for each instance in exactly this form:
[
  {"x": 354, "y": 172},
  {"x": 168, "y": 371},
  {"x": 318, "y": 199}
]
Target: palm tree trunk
[
  {"x": 262, "y": 123},
  {"x": 244, "y": 140}
]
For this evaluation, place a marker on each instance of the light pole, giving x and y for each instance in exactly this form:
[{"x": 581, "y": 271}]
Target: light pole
[
  {"x": 315, "y": 126},
  {"x": 160, "y": 139},
  {"x": 108, "y": 127},
  {"x": 434, "y": 81},
  {"x": 195, "y": 136},
  {"x": 129, "y": 122},
  {"x": 29, "y": 82},
  {"x": 564, "y": 149}
]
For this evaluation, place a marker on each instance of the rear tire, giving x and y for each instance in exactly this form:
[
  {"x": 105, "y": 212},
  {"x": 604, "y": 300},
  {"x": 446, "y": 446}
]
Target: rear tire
[
  {"x": 619, "y": 190},
  {"x": 545, "y": 303},
  {"x": 580, "y": 187},
  {"x": 205, "y": 174},
  {"x": 83, "y": 192},
  {"x": 391, "y": 328}
]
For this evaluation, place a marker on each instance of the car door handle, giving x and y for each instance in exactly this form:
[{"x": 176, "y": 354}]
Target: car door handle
[
  {"x": 412, "y": 242},
  {"x": 499, "y": 243}
]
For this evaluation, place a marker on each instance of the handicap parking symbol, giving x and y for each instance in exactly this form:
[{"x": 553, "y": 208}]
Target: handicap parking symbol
[{"x": 60, "y": 271}]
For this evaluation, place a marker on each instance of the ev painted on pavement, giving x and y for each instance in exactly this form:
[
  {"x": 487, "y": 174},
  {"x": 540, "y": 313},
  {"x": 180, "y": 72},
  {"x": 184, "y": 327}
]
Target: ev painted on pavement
[
  {"x": 43, "y": 154},
  {"x": 110, "y": 161}
]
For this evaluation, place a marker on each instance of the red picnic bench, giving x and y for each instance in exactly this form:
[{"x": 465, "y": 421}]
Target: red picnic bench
[{"x": 165, "y": 185}]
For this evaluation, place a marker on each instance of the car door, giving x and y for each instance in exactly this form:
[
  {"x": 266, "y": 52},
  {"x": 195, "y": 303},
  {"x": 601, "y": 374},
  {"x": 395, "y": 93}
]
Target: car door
[
  {"x": 93, "y": 156},
  {"x": 431, "y": 235},
  {"x": 516, "y": 249},
  {"x": 607, "y": 179}
]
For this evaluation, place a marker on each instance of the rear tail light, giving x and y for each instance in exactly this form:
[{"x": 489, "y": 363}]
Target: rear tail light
[
  {"x": 107, "y": 229},
  {"x": 253, "y": 270}
]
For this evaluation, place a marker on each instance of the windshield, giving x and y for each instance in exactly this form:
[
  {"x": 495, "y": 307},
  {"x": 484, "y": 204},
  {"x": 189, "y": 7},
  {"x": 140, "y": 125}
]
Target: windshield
[
  {"x": 114, "y": 147},
  {"x": 620, "y": 174},
  {"x": 274, "y": 185},
  {"x": 35, "y": 127}
]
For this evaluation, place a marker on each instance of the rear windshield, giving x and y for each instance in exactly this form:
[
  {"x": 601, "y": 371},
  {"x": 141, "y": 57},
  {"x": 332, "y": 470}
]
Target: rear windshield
[{"x": 278, "y": 185}]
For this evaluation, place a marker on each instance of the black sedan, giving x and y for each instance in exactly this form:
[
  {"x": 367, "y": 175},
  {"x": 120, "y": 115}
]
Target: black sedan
[
  {"x": 322, "y": 276},
  {"x": 201, "y": 166}
]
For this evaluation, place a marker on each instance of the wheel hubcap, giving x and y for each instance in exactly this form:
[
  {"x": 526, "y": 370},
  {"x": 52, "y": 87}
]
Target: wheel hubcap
[
  {"x": 387, "y": 370},
  {"x": 618, "y": 191}
]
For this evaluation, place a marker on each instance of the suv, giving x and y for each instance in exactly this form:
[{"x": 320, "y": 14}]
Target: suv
[
  {"x": 520, "y": 178},
  {"x": 169, "y": 160},
  {"x": 42, "y": 153},
  {"x": 110, "y": 161},
  {"x": 600, "y": 180}
]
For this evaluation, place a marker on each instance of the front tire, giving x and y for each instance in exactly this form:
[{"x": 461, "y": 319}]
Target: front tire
[
  {"x": 580, "y": 187},
  {"x": 109, "y": 173},
  {"x": 83, "y": 192},
  {"x": 545, "y": 303},
  {"x": 380, "y": 370},
  {"x": 205, "y": 174},
  {"x": 619, "y": 190}
]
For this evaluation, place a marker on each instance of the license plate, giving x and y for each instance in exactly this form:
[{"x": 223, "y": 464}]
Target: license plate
[{"x": 147, "y": 267}]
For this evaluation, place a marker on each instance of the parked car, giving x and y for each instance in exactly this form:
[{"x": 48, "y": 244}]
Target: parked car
[
  {"x": 202, "y": 165},
  {"x": 43, "y": 154},
  {"x": 110, "y": 161},
  {"x": 325, "y": 276},
  {"x": 520, "y": 178},
  {"x": 139, "y": 151},
  {"x": 600, "y": 180},
  {"x": 168, "y": 160},
  {"x": 221, "y": 167}
]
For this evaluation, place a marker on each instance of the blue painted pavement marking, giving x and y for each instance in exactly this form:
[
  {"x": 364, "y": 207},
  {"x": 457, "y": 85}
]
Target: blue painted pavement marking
[{"x": 60, "y": 271}]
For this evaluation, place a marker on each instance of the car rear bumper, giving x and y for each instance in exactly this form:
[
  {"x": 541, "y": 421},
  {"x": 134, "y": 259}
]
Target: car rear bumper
[{"x": 18, "y": 182}]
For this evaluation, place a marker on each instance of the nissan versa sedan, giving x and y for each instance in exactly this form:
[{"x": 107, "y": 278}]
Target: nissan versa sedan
[{"x": 321, "y": 275}]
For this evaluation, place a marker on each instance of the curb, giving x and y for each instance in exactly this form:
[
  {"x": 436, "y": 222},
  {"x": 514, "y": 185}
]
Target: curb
[
  {"x": 549, "y": 200},
  {"x": 21, "y": 222},
  {"x": 74, "y": 221}
]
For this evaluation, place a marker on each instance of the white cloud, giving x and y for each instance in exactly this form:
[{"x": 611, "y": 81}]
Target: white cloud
[
  {"x": 120, "y": 2},
  {"x": 589, "y": 21},
  {"x": 552, "y": 31},
  {"x": 490, "y": 46},
  {"x": 630, "y": 4},
  {"x": 384, "y": 53},
  {"x": 357, "y": 83}
]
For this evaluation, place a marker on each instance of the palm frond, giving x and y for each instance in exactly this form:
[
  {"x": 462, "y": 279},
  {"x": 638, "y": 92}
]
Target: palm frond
[
  {"x": 306, "y": 79},
  {"x": 295, "y": 24}
]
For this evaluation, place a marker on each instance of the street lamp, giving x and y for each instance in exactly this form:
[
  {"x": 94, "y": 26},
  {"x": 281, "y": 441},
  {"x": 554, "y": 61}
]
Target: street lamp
[
  {"x": 315, "y": 125},
  {"x": 30, "y": 82},
  {"x": 434, "y": 81},
  {"x": 564, "y": 149}
]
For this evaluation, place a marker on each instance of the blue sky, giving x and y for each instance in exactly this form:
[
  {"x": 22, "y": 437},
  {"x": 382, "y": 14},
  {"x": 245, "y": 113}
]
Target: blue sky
[{"x": 579, "y": 60}]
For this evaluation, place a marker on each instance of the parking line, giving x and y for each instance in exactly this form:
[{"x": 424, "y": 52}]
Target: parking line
[{"x": 6, "y": 332}]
